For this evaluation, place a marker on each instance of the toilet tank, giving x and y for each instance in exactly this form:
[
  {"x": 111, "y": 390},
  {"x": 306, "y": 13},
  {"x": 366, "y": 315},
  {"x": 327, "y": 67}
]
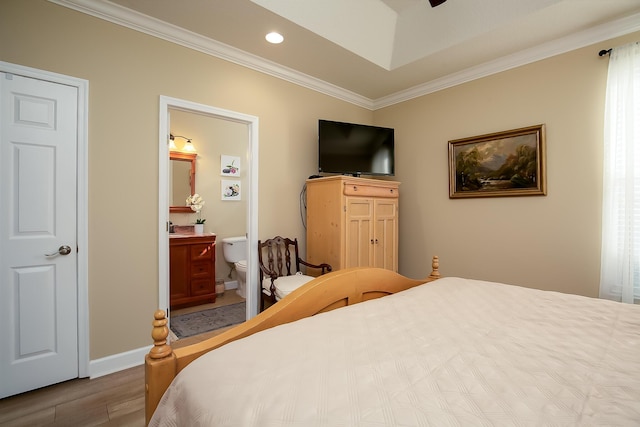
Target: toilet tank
[{"x": 234, "y": 249}]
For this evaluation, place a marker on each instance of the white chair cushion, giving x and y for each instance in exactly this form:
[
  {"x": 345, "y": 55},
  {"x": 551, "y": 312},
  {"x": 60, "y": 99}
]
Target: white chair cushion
[{"x": 285, "y": 284}]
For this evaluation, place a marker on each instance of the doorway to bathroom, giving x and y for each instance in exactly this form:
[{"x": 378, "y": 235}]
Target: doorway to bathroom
[{"x": 217, "y": 136}]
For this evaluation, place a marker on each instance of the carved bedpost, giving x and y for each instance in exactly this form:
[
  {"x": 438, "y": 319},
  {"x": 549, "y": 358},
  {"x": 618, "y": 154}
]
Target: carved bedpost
[
  {"x": 435, "y": 264},
  {"x": 159, "y": 334},
  {"x": 160, "y": 365}
]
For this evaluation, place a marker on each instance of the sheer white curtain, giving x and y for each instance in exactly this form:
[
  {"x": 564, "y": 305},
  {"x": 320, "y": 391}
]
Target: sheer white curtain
[{"x": 620, "y": 269}]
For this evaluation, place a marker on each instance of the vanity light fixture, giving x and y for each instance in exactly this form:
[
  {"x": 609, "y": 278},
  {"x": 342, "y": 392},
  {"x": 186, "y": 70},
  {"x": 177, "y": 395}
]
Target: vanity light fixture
[
  {"x": 274, "y": 37},
  {"x": 188, "y": 146}
]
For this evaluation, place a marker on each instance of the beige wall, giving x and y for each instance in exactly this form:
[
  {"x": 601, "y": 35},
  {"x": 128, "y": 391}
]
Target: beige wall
[
  {"x": 127, "y": 72},
  {"x": 550, "y": 242}
]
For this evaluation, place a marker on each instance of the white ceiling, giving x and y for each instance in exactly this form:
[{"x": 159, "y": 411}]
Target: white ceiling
[{"x": 376, "y": 52}]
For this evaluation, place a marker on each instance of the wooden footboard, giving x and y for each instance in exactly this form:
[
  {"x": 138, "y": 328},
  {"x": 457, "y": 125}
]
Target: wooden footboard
[{"x": 325, "y": 293}]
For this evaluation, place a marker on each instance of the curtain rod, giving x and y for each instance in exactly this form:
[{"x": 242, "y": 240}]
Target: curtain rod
[{"x": 604, "y": 52}]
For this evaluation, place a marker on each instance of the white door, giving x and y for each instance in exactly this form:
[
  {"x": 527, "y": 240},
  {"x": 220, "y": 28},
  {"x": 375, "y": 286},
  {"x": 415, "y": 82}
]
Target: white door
[{"x": 38, "y": 247}]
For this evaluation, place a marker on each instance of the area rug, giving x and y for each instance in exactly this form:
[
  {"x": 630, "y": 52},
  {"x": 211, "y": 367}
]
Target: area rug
[{"x": 199, "y": 322}]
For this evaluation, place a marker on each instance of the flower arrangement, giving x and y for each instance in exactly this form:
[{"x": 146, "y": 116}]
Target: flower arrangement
[{"x": 195, "y": 202}]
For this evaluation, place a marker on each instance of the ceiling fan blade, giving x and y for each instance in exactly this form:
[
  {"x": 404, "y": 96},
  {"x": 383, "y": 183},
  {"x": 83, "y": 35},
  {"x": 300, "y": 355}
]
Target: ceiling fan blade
[{"x": 435, "y": 3}]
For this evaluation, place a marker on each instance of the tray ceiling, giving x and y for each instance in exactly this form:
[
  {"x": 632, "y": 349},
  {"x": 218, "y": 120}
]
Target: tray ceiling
[{"x": 377, "y": 52}]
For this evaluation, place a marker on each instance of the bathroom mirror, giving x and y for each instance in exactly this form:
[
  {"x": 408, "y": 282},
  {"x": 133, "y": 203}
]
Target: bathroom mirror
[{"x": 182, "y": 173}]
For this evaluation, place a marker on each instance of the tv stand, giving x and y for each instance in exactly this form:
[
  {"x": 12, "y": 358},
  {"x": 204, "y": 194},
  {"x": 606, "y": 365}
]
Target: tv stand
[{"x": 352, "y": 222}]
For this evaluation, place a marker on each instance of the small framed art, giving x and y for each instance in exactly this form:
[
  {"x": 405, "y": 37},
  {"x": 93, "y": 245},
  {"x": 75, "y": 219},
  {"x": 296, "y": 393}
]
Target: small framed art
[
  {"x": 230, "y": 190},
  {"x": 229, "y": 165}
]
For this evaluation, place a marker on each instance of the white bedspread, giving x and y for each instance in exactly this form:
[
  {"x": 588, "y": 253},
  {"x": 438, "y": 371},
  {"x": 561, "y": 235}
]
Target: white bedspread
[{"x": 455, "y": 352}]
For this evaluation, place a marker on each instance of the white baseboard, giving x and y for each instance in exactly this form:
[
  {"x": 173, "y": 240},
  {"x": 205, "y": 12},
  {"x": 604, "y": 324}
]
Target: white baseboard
[
  {"x": 231, "y": 284},
  {"x": 117, "y": 362}
]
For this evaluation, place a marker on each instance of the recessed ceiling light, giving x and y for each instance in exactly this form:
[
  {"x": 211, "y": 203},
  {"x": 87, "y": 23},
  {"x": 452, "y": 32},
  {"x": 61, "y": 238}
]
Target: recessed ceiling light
[{"x": 274, "y": 37}]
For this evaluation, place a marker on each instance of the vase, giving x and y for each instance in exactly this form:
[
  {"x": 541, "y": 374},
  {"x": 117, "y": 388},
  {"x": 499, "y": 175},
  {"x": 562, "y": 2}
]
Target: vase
[{"x": 198, "y": 228}]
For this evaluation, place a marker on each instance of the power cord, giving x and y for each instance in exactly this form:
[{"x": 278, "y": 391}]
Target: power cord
[{"x": 303, "y": 205}]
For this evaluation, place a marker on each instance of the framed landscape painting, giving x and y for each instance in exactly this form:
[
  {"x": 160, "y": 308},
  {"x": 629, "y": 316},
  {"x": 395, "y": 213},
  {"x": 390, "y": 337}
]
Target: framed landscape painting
[{"x": 509, "y": 163}]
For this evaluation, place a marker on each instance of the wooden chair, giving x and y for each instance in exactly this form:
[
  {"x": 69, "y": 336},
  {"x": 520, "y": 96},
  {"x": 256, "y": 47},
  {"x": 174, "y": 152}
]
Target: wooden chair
[{"x": 280, "y": 272}]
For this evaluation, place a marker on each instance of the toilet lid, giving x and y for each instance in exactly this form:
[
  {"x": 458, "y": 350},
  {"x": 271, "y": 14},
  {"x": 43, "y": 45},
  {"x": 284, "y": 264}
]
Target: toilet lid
[{"x": 242, "y": 264}]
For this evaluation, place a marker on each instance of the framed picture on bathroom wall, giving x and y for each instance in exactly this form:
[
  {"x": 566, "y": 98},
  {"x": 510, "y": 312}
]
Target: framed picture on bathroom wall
[
  {"x": 230, "y": 189},
  {"x": 229, "y": 165}
]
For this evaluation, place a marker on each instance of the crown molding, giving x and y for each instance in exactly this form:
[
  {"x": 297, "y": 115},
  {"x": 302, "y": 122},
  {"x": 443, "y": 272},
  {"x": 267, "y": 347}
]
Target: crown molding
[
  {"x": 139, "y": 22},
  {"x": 566, "y": 44},
  {"x": 125, "y": 17}
]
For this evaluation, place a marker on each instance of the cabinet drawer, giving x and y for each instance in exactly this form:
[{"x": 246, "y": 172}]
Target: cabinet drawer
[
  {"x": 370, "y": 190},
  {"x": 201, "y": 270},
  {"x": 202, "y": 252},
  {"x": 202, "y": 287}
]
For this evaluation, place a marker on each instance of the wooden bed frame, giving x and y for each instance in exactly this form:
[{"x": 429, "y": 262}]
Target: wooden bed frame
[{"x": 325, "y": 293}]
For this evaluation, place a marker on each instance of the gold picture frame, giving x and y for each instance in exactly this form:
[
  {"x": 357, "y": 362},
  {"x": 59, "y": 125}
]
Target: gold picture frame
[{"x": 509, "y": 163}]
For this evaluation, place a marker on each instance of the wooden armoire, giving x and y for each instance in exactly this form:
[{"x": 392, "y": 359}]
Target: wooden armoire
[{"x": 352, "y": 222}]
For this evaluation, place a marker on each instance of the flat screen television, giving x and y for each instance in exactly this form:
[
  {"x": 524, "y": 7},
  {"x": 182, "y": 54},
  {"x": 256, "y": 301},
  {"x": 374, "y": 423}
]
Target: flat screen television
[{"x": 353, "y": 149}]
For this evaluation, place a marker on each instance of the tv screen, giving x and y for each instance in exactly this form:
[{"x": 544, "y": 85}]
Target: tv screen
[{"x": 348, "y": 148}]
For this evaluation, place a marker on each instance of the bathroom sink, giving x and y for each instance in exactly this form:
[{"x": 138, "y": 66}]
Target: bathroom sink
[
  {"x": 186, "y": 231},
  {"x": 178, "y": 235}
]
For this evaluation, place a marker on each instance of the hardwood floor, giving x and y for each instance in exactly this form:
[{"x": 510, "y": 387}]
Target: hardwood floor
[{"x": 111, "y": 400}]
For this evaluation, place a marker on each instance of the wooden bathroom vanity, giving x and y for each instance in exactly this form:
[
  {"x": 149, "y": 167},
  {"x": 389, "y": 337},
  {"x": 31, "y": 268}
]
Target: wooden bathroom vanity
[{"x": 192, "y": 269}]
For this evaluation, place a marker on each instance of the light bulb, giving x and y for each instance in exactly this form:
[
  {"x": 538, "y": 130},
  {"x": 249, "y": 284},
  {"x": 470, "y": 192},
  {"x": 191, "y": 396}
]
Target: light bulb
[{"x": 189, "y": 147}]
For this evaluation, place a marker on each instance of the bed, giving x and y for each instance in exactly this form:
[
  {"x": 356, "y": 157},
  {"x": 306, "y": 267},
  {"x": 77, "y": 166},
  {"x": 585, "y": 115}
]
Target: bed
[{"x": 450, "y": 351}]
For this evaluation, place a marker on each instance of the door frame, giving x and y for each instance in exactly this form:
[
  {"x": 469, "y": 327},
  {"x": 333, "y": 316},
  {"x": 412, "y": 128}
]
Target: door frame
[
  {"x": 168, "y": 103},
  {"x": 82, "y": 222}
]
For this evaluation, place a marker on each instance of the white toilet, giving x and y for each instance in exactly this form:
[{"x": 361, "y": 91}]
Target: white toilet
[{"x": 234, "y": 250}]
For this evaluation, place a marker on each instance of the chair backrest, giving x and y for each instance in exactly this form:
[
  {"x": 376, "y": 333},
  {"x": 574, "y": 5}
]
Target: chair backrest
[{"x": 278, "y": 255}]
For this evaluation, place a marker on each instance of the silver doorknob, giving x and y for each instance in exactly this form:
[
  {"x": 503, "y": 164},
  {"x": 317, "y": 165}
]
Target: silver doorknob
[{"x": 62, "y": 250}]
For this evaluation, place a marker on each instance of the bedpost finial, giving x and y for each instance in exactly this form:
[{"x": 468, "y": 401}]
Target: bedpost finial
[
  {"x": 159, "y": 334},
  {"x": 435, "y": 264}
]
